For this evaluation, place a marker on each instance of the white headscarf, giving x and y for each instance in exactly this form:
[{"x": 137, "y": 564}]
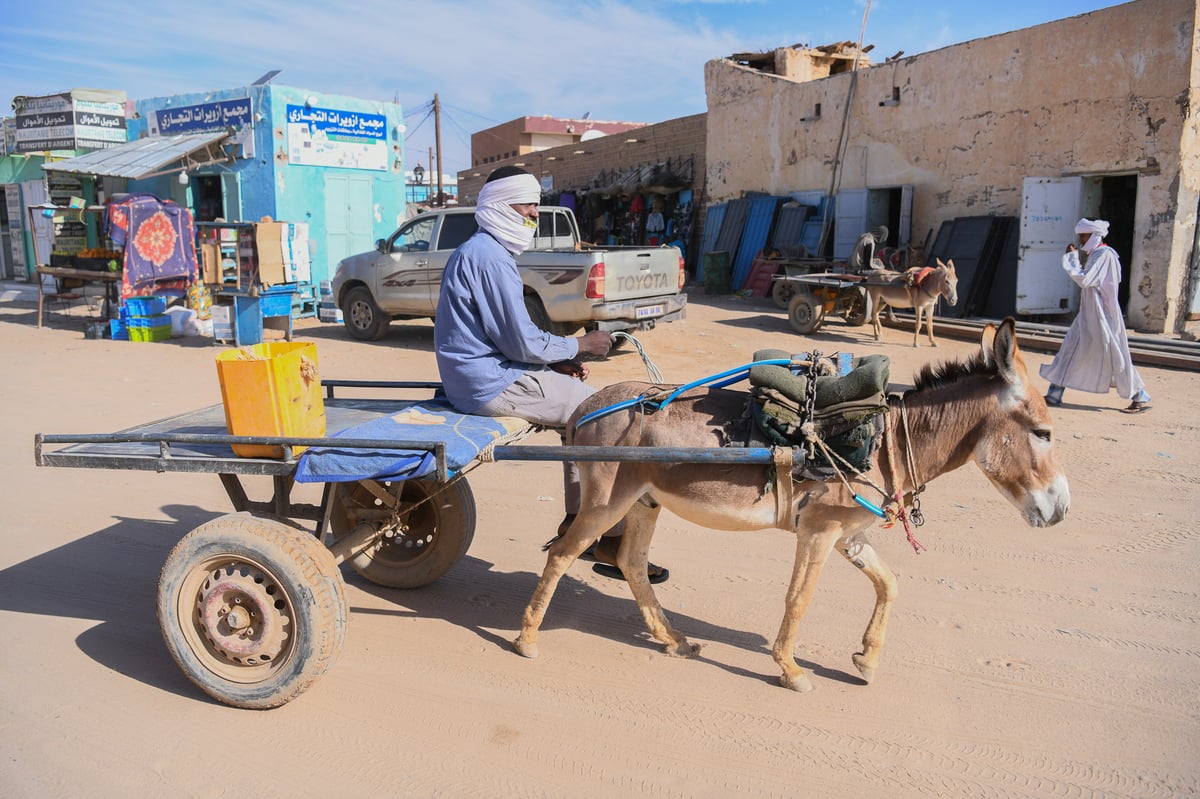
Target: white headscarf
[
  {"x": 1097, "y": 227},
  {"x": 495, "y": 214}
]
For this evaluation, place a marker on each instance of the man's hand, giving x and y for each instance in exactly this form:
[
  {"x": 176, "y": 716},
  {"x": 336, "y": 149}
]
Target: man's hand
[
  {"x": 572, "y": 368},
  {"x": 596, "y": 343},
  {"x": 1070, "y": 248}
]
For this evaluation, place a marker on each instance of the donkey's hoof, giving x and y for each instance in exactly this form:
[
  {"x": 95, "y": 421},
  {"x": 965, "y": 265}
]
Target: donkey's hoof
[
  {"x": 683, "y": 649},
  {"x": 524, "y": 648},
  {"x": 865, "y": 670},
  {"x": 800, "y": 683}
]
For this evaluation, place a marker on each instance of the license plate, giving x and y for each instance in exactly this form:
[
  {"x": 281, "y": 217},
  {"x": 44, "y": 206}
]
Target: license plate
[{"x": 646, "y": 311}]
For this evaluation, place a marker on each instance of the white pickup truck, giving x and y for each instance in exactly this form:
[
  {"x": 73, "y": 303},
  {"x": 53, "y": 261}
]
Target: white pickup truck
[{"x": 568, "y": 285}]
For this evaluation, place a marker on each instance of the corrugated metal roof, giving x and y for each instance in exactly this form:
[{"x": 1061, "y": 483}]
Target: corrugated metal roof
[{"x": 137, "y": 159}]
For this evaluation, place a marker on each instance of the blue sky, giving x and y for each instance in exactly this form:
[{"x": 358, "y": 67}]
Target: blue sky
[{"x": 489, "y": 62}]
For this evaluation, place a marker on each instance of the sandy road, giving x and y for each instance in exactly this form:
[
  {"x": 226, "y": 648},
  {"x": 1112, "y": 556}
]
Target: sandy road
[{"x": 1020, "y": 662}]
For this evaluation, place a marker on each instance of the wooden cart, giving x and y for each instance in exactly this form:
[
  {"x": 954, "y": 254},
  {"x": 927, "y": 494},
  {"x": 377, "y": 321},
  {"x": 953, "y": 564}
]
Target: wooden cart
[{"x": 252, "y": 604}]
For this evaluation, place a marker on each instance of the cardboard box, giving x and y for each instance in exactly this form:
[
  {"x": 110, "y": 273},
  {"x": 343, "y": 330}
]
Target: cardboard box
[
  {"x": 270, "y": 239},
  {"x": 222, "y": 322},
  {"x": 210, "y": 259}
]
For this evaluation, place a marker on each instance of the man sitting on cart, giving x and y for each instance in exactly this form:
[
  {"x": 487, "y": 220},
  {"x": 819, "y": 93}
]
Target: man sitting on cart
[{"x": 492, "y": 359}]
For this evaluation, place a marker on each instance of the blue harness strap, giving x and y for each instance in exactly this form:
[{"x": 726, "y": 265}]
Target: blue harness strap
[{"x": 719, "y": 380}]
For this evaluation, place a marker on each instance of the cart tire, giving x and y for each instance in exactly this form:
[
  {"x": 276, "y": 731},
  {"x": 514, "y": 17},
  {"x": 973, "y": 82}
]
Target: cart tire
[
  {"x": 805, "y": 312},
  {"x": 860, "y": 308},
  {"x": 284, "y": 593},
  {"x": 362, "y": 317},
  {"x": 421, "y": 542},
  {"x": 782, "y": 292}
]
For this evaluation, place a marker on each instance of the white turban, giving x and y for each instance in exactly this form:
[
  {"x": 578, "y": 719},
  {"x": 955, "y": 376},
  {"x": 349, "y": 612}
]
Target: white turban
[
  {"x": 1097, "y": 227},
  {"x": 1092, "y": 226},
  {"x": 518, "y": 189},
  {"x": 494, "y": 210}
]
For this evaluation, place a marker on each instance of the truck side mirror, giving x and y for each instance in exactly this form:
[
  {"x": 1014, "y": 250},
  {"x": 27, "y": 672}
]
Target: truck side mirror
[{"x": 381, "y": 245}]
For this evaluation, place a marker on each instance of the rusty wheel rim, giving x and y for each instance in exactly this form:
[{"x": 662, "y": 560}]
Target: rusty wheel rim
[
  {"x": 407, "y": 532},
  {"x": 237, "y": 618}
]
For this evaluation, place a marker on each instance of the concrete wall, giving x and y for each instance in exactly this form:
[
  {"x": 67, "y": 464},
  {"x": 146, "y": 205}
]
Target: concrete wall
[
  {"x": 585, "y": 165},
  {"x": 575, "y": 171},
  {"x": 1108, "y": 92}
]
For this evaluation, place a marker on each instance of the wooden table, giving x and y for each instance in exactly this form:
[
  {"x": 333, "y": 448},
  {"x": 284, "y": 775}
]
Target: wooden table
[{"x": 108, "y": 279}]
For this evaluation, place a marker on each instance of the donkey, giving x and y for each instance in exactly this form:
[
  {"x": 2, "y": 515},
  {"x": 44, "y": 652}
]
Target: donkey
[
  {"x": 985, "y": 409},
  {"x": 917, "y": 288}
]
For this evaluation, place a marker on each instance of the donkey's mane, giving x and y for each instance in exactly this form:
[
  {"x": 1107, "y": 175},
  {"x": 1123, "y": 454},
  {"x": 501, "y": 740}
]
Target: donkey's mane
[{"x": 943, "y": 374}]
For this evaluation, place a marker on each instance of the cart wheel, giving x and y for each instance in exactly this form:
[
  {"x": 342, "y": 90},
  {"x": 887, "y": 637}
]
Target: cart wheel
[
  {"x": 860, "y": 308},
  {"x": 805, "y": 312},
  {"x": 429, "y": 530},
  {"x": 251, "y": 609},
  {"x": 782, "y": 293}
]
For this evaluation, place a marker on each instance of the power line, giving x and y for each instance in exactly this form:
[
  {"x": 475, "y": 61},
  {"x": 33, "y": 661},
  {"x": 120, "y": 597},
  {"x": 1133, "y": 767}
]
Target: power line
[
  {"x": 426, "y": 107},
  {"x": 472, "y": 113}
]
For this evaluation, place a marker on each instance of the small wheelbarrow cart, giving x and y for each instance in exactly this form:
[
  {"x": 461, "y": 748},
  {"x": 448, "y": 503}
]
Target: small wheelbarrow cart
[
  {"x": 817, "y": 295},
  {"x": 251, "y": 604}
]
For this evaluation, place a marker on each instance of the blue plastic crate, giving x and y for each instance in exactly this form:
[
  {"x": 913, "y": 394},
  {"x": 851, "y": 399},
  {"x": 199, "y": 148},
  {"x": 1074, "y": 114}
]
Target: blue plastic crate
[
  {"x": 145, "y": 306},
  {"x": 143, "y": 322}
]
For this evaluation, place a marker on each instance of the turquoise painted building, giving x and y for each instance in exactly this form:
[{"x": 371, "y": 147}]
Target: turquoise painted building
[{"x": 294, "y": 155}]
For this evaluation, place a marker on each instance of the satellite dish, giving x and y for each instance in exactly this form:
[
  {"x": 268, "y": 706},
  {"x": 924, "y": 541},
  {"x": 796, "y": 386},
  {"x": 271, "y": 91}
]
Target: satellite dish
[{"x": 591, "y": 134}]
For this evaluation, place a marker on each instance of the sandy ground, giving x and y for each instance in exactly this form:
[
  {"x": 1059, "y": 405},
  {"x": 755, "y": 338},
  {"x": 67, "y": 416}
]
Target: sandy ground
[{"x": 1049, "y": 663}]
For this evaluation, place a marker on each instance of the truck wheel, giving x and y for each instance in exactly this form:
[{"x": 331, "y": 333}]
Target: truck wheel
[
  {"x": 859, "y": 310},
  {"x": 362, "y": 317},
  {"x": 251, "y": 609},
  {"x": 541, "y": 319},
  {"x": 782, "y": 292},
  {"x": 805, "y": 312},
  {"x": 428, "y": 530},
  {"x": 537, "y": 312}
]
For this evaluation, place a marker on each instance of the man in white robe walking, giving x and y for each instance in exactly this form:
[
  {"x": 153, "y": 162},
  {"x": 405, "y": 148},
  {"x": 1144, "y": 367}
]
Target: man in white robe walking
[{"x": 1095, "y": 352}]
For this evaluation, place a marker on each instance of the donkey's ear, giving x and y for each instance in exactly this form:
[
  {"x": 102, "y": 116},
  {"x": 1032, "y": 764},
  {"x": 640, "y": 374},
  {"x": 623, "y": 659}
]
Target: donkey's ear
[
  {"x": 1004, "y": 350},
  {"x": 987, "y": 343}
]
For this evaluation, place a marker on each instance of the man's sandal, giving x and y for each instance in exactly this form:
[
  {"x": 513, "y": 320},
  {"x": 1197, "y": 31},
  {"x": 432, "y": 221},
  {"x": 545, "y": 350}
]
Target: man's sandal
[{"x": 1137, "y": 406}]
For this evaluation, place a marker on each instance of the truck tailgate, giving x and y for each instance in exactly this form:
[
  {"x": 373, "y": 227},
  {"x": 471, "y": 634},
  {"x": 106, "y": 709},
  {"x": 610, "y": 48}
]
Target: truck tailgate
[{"x": 635, "y": 272}]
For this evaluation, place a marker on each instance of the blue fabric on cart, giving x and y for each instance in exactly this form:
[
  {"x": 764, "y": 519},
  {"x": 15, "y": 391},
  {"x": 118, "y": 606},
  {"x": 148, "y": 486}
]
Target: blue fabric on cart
[{"x": 464, "y": 436}]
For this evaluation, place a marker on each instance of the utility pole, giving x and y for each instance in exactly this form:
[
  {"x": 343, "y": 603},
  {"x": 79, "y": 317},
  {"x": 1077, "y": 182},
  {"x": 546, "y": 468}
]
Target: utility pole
[
  {"x": 437, "y": 132},
  {"x": 429, "y": 195}
]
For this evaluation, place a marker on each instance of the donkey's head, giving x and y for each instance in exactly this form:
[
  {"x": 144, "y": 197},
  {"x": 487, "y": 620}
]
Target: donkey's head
[
  {"x": 949, "y": 281},
  {"x": 1016, "y": 449}
]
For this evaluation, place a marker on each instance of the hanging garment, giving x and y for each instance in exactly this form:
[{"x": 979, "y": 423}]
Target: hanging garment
[{"x": 159, "y": 241}]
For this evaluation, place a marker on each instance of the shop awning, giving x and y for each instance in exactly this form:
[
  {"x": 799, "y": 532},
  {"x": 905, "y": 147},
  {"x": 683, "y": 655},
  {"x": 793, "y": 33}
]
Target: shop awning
[{"x": 149, "y": 157}]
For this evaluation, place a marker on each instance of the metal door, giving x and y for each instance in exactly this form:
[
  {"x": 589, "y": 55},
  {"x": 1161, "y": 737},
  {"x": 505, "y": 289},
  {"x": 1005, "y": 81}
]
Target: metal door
[
  {"x": 849, "y": 220},
  {"x": 348, "y": 221},
  {"x": 904, "y": 234},
  {"x": 231, "y": 195},
  {"x": 1049, "y": 211}
]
